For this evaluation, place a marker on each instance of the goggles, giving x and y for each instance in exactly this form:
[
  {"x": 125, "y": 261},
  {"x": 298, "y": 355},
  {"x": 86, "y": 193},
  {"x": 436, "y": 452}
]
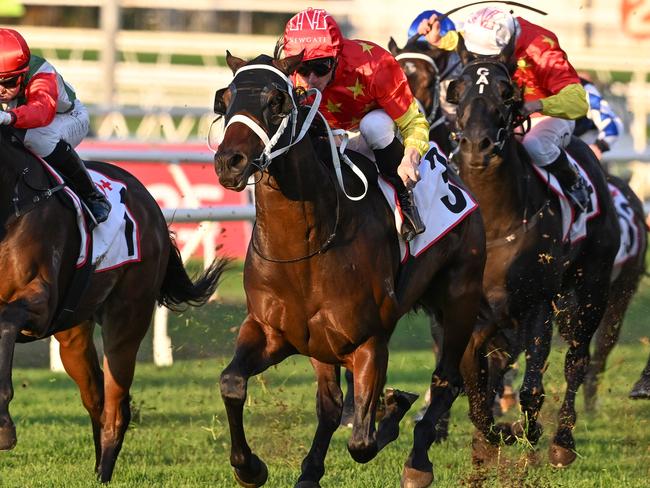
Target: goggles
[
  {"x": 12, "y": 82},
  {"x": 320, "y": 67}
]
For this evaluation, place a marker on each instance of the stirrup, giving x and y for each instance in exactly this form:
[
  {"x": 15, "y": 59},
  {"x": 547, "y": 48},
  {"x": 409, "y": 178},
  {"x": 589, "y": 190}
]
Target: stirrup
[
  {"x": 99, "y": 207},
  {"x": 579, "y": 194},
  {"x": 412, "y": 224}
]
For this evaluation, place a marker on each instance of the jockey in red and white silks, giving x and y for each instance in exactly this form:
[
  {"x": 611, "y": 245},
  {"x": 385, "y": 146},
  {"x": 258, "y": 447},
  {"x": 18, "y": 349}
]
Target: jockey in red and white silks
[
  {"x": 35, "y": 97},
  {"x": 363, "y": 89},
  {"x": 553, "y": 94},
  {"x": 48, "y": 109}
]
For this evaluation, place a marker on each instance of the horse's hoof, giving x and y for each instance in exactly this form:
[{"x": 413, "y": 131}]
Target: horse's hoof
[
  {"x": 364, "y": 454},
  {"x": 502, "y": 432},
  {"x": 483, "y": 452},
  {"x": 8, "y": 438},
  {"x": 397, "y": 404},
  {"x": 414, "y": 478},
  {"x": 509, "y": 399},
  {"x": 560, "y": 457},
  {"x": 641, "y": 389},
  {"x": 532, "y": 435},
  {"x": 255, "y": 480},
  {"x": 307, "y": 484}
]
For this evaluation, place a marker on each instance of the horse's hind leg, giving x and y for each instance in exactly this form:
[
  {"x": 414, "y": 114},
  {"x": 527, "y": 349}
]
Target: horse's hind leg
[
  {"x": 123, "y": 328},
  {"x": 641, "y": 388},
  {"x": 329, "y": 404},
  {"x": 80, "y": 361},
  {"x": 592, "y": 302},
  {"x": 8, "y": 334},
  {"x": 257, "y": 348},
  {"x": 605, "y": 339}
]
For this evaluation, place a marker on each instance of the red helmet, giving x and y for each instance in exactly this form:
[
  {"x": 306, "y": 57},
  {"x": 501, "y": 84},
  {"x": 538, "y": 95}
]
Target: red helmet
[
  {"x": 14, "y": 54},
  {"x": 315, "y": 31}
]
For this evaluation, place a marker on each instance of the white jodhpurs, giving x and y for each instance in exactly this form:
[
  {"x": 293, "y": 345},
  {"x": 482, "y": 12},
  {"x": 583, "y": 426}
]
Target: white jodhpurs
[
  {"x": 545, "y": 138},
  {"x": 377, "y": 130},
  {"x": 71, "y": 126}
]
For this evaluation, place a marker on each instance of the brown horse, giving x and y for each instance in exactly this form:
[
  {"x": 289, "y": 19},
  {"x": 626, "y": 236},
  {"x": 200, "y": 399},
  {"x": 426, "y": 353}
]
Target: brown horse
[
  {"x": 531, "y": 269},
  {"x": 39, "y": 246},
  {"x": 323, "y": 279}
]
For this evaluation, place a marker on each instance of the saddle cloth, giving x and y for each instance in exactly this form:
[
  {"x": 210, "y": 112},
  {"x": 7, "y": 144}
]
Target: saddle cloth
[
  {"x": 573, "y": 229},
  {"x": 116, "y": 241},
  {"x": 441, "y": 203},
  {"x": 630, "y": 233}
]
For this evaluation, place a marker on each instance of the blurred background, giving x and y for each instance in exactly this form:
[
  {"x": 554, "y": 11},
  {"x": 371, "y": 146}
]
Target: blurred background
[{"x": 148, "y": 70}]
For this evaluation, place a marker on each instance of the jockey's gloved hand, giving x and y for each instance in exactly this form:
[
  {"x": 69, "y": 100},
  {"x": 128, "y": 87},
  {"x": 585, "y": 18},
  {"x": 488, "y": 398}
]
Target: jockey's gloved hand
[
  {"x": 5, "y": 118},
  {"x": 408, "y": 169}
]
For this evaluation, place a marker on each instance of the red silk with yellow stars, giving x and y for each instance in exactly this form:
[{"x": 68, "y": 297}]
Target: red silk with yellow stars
[
  {"x": 542, "y": 66},
  {"x": 367, "y": 77}
]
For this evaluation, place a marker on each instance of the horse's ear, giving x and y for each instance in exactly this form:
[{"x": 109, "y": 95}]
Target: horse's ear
[
  {"x": 392, "y": 46},
  {"x": 234, "y": 62},
  {"x": 289, "y": 64},
  {"x": 465, "y": 55},
  {"x": 507, "y": 55},
  {"x": 219, "y": 103},
  {"x": 453, "y": 92}
]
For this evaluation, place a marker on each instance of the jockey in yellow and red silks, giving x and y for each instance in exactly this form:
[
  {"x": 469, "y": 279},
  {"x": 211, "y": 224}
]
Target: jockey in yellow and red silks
[
  {"x": 553, "y": 94},
  {"x": 363, "y": 89},
  {"x": 35, "y": 97}
]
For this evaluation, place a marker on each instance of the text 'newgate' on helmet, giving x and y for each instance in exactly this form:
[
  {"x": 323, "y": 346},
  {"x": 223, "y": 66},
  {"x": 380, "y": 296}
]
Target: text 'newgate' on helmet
[
  {"x": 315, "y": 32},
  {"x": 488, "y": 30},
  {"x": 14, "y": 54}
]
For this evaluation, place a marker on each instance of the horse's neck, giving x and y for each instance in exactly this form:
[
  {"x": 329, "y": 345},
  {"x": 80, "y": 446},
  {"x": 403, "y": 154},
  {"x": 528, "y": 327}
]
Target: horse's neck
[
  {"x": 295, "y": 202},
  {"x": 500, "y": 188},
  {"x": 11, "y": 165}
]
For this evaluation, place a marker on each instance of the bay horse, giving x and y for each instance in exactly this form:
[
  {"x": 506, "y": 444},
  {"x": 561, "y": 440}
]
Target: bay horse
[
  {"x": 531, "y": 269},
  {"x": 323, "y": 279},
  {"x": 39, "y": 246}
]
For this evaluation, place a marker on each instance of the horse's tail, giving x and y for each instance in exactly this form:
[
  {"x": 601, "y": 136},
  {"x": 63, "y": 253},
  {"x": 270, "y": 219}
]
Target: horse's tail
[{"x": 178, "y": 290}]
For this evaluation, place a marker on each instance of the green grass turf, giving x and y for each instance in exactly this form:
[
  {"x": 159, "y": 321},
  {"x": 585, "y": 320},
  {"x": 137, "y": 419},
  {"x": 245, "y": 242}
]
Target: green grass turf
[{"x": 179, "y": 434}]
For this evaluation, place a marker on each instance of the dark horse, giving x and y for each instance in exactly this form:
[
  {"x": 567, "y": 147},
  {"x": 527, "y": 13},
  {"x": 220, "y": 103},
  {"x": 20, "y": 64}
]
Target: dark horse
[
  {"x": 532, "y": 274},
  {"x": 422, "y": 68},
  {"x": 323, "y": 279},
  {"x": 627, "y": 277},
  {"x": 38, "y": 252}
]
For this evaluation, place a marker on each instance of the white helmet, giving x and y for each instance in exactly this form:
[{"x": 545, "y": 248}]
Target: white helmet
[{"x": 488, "y": 30}]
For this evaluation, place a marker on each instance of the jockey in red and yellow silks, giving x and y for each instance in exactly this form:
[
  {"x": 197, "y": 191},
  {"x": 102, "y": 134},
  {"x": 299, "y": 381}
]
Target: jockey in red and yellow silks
[
  {"x": 35, "y": 97},
  {"x": 553, "y": 93},
  {"x": 363, "y": 89}
]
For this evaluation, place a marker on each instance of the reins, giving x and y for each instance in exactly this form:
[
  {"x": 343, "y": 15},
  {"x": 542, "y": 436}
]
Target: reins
[{"x": 268, "y": 154}]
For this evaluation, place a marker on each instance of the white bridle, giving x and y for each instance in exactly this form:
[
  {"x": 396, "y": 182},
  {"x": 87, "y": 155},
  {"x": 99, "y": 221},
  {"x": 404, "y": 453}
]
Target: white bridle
[
  {"x": 268, "y": 154},
  {"x": 436, "y": 92}
]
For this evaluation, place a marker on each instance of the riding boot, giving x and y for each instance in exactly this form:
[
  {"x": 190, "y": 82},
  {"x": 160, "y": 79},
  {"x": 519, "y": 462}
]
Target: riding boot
[
  {"x": 570, "y": 180},
  {"x": 388, "y": 159},
  {"x": 66, "y": 160}
]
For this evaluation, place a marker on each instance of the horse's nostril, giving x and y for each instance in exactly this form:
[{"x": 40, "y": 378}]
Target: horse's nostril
[
  {"x": 485, "y": 144},
  {"x": 237, "y": 159}
]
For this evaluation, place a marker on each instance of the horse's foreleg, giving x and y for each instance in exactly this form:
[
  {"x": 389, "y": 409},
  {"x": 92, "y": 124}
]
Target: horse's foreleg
[
  {"x": 459, "y": 318},
  {"x": 122, "y": 331},
  {"x": 539, "y": 332},
  {"x": 79, "y": 358},
  {"x": 8, "y": 334},
  {"x": 592, "y": 300},
  {"x": 329, "y": 403},
  {"x": 257, "y": 348},
  {"x": 370, "y": 363}
]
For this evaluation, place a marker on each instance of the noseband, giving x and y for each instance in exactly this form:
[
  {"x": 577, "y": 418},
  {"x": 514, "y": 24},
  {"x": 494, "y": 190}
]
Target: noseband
[{"x": 435, "y": 91}]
